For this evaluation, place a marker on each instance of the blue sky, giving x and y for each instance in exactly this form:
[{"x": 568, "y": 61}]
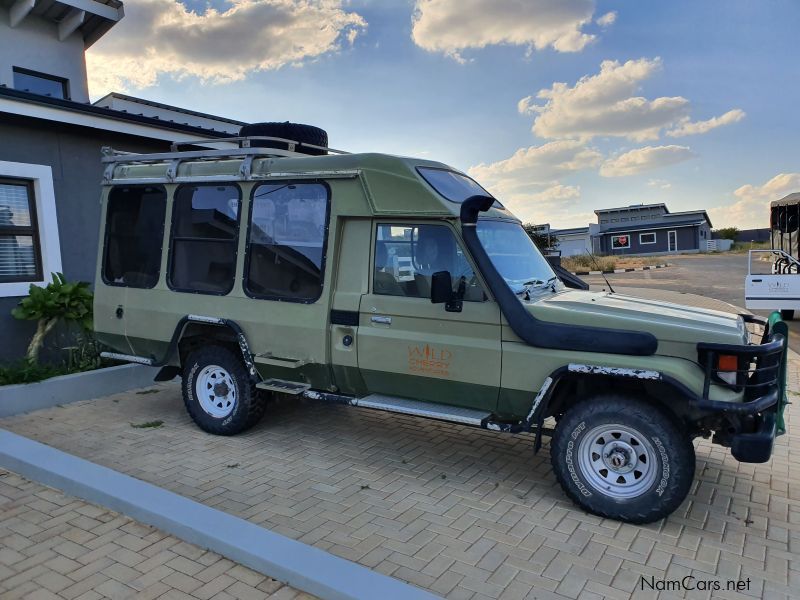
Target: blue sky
[{"x": 445, "y": 84}]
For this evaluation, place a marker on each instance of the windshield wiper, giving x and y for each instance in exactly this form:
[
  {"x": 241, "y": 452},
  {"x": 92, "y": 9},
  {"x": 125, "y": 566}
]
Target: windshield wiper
[{"x": 528, "y": 285}]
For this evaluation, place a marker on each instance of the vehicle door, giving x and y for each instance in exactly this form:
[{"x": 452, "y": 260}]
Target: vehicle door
[
  {"x": 410, "y": 347},
  {"x": 773, "y": 281}
]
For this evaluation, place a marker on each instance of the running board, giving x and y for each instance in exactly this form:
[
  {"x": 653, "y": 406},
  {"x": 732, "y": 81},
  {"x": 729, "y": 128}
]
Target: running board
[
  {"x": 443, "y": 412},
  {"x": 283, "y": 386}
]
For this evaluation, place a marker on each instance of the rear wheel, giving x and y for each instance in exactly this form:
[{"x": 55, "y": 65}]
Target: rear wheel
[
  {"x": 218, "y": 393},
  {"x": 787, "y": 315},
  {"x": 622, "y": 458}
]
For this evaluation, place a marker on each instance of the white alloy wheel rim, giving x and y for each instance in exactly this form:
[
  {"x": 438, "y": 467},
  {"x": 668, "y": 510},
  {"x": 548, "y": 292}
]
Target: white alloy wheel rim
[
  {"x": 216, "y": 391},
  {"x": 617, "y": 461}
]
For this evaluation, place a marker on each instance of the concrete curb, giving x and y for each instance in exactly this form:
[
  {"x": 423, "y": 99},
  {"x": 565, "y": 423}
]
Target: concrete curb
[
  {"x": 630, "y": 270},
  {"x": 27, "y": 397},
  {"x": 304, "y": 567}
]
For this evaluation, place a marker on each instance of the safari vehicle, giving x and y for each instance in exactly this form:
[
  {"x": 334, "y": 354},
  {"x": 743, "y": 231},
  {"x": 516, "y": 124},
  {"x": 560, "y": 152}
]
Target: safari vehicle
[{"x": 283, "y": 267}]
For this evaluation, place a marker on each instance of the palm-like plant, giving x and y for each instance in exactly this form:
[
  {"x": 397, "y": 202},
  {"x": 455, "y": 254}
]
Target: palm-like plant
[{"x": 59, "y": 300}]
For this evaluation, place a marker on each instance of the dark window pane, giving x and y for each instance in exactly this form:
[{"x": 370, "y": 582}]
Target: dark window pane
[
  {"x": 205, "y": 226},
  {"x": 40, "y": 83},
  {"x": 287, "y": 241},
  {"x": 15, "y": 208},
  {"x": 453, "y": 186},
  {"x": 17, "y": 258},
  {"x": 134, "y": 233},
  {"x": 407, "y": 256}
]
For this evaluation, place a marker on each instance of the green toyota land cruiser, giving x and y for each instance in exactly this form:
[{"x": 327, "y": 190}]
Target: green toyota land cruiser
[{"x": 278, "y": 265}]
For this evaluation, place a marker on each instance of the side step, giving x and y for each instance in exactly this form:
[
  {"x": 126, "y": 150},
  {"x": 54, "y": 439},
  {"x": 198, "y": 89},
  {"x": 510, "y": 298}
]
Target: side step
[
  {"x": 443, "y": 412},
  {"x": 283, "y": 386}
]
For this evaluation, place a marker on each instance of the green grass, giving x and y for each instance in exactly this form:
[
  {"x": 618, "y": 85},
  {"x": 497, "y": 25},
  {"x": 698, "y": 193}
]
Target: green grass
[{"x": 23, "y": 371}]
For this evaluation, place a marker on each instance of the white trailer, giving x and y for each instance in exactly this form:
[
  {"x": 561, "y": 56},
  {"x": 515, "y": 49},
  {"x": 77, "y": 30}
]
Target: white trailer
[{"x": 773, "y": 276}]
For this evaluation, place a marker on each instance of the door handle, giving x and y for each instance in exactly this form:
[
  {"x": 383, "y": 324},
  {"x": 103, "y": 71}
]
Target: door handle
[
  {"x": 382, "y": 320},
  {"x": 757, "y": 280}
]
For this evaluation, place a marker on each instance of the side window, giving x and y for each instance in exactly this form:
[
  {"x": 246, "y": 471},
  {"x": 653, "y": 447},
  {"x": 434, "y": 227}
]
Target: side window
[
  {"x": 286, "y": 249},
  {"x": 407, "y": 256},
  {"x": 205, "y": 227},
  {"x": 134, "y": 234}
]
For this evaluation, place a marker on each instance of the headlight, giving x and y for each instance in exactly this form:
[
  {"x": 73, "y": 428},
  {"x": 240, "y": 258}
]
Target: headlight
[{"x": 727, "y": 366}]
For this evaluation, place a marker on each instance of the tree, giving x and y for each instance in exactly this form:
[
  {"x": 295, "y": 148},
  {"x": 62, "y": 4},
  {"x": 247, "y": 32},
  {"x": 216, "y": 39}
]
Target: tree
[
  {"x": 543, "y": 240},
  {"x": 58, "y": 301},
  {"x": 727, "y": 233}
]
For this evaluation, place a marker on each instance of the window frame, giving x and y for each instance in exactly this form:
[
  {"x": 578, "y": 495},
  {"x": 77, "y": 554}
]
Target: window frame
[
  {"x": 323, "y": 262},
  {"x": 31, "y": 230},
  {"x": 46, "y": 76},
  {"x": 613, "y": 247},
  {"x": 376, "y": 223},
  {"x": 106, "y": 234},
  {"x": 655, "y": 238},
  {"x": 234, "y": 240},
  {"x": 41, "y": 177}
]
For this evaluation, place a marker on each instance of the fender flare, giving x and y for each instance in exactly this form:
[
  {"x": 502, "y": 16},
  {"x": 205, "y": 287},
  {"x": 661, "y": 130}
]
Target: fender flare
[{"x": 167, "y": 371}]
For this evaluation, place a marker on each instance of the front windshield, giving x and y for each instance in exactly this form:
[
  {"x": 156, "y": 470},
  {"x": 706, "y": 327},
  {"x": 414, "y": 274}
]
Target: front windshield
[{"x": 515, "y": 256}]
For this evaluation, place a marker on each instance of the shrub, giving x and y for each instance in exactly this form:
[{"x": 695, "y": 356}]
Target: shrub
[
  {"x": 24, "y": 371},
  {"x": 727, "y": 233},
  {"x": 585, "y": 262},
  {"x": 58, "y": 301}
]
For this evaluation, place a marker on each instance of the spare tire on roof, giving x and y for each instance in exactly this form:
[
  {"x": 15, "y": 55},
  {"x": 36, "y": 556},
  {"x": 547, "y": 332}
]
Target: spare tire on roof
[{"x": 306, "y": 134}]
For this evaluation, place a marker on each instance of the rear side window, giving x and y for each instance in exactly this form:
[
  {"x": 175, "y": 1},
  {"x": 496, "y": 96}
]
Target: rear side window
[
  {"x": 133, "y": 237},
  {"x": 286, "y": 250},
  {"x": 456, "y": 187},
  {"x": 205, "y": 228}
]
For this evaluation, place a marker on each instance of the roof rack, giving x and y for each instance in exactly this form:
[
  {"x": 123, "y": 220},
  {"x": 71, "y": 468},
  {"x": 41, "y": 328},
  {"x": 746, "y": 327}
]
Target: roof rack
[{"x": 111, "y": 158}]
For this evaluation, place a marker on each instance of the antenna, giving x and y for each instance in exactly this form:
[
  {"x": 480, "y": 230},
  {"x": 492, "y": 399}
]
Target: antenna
[{"x": 603, "y": 275}]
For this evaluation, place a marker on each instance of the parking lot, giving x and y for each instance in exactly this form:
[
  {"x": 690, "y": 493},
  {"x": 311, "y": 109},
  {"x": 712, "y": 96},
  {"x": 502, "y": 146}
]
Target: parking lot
[{"x": 464, "y": 513}]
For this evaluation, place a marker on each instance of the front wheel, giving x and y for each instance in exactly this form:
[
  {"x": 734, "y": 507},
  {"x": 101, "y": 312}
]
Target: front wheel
[
  {"x": 622, "y": 458},
  {"x": 218, "y": 392}
]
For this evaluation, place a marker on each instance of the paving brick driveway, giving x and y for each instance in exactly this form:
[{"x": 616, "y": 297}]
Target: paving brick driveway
[
  {"x": 463, "y": 512},
  {"x": 54, "y": 547}
]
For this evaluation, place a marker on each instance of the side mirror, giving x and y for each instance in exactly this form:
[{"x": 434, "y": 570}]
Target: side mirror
[{"x": 442, "y": 292}]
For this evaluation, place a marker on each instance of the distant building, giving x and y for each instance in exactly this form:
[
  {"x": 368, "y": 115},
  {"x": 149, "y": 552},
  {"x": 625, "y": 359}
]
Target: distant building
[
  {"x": 638, "y": 229},
  {"x": 50, "y": 143}
]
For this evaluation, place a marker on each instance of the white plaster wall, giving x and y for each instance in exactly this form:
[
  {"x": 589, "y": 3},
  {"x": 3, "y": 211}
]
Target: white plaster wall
[{"x": 34, "y": 44}]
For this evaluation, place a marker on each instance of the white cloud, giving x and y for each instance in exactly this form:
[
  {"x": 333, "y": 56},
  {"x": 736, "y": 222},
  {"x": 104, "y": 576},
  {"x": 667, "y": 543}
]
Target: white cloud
[
  {"x": 159, "y": 37},
  {"x": 687, "y": 127},
  {"x": 555, "y": 204},
  {"x": 528, "y": 181},
  {"x": 644, "y": 159},
  {"x": 535, "y": 166},
  {"x": 659, "y": 183},
  {"x": 605, "y": 105},
  {"x": 452, "y": 26},
  {"x": 751, "y": 209},
  {"x": 607, "y": 19}
]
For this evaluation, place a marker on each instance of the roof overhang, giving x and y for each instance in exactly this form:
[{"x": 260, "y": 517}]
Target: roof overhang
[
  {"x": 91, "y": 18},
  {"x": 85, "y": 115},
  {"x": 789, "y": 200}
]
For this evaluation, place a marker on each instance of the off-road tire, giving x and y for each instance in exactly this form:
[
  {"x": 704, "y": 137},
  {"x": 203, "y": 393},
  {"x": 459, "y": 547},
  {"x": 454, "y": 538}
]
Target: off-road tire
[
  {"x": 674, "y": 454},
  {"x": 249, "y": 405},
  {"x": 787, "y": 315},
  {"x": 308, "y": 134}
]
